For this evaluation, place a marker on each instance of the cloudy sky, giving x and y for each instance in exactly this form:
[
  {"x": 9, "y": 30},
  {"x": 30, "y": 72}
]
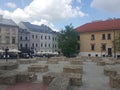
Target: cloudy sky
[{"x": 58, "y": 13}]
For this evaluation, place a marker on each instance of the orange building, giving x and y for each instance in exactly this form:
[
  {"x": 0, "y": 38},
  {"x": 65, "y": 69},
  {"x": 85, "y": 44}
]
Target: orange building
[{"x": 96, "y": 38}]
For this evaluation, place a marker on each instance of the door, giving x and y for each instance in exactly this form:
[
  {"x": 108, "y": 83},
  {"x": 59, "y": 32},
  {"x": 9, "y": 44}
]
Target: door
[{"x": 109, "y": 51}]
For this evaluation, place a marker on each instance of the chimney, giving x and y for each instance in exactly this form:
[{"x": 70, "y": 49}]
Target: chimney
[{"x": 1, "y": 17}]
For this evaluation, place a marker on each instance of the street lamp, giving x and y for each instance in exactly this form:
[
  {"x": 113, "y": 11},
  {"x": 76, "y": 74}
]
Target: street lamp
[{"x": 6, "y": 53}]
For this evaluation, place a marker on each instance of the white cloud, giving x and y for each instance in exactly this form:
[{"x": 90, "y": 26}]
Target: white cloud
[
  {"x": 112, "y": 6},
  {"x": 50, "y": 10},
  {"x": 45, "y": 22},
  {"x": 11, "y": 5}
]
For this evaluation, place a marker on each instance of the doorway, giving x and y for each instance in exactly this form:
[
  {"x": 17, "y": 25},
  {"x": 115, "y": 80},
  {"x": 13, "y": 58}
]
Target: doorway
[{"x": 109, "y": 51}]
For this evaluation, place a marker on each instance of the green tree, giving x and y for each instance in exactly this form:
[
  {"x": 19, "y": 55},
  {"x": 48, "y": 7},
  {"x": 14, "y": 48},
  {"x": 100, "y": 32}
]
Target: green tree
[
  {"x": 68, "y": 41},
  {"x": 116, "y": 43}
]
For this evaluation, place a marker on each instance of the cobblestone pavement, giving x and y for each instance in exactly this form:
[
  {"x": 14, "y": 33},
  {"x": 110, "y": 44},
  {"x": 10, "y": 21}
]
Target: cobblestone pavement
[{"x": 93, "y": 78}]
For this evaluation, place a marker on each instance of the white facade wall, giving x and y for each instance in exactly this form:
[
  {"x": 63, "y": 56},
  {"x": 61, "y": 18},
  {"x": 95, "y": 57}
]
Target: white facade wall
[{"x": 7, "y": 33}]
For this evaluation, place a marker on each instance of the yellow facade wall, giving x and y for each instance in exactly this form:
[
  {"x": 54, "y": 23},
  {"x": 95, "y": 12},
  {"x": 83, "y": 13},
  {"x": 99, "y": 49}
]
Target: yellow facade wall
[{"x": 85, "y": 41}]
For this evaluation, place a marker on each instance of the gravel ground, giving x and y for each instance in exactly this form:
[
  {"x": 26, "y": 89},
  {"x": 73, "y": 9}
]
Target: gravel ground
[{"x": 93, "y": 76}]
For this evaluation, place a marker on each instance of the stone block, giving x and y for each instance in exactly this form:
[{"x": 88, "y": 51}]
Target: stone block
[
  {"x": 59, "y": 83},
  {"x": 38, "y": 68},
  {"x": 50, "y": 61},
  {"x": 8, "y": 66},
  {"x": 100, "y": 63},
  {"x": 73, "y": 69},
  {"x": 115, "y": 81},
  {"x": 76, "y": 62},
  {"x": 8, "y": 78},
  {"x": 26, "y": 77},
  {"x": 47, "y": 78},
  {"x": 27, "y": 61}
]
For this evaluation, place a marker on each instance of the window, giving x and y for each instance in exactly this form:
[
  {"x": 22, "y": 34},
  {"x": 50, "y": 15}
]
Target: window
[
  {"x": 33, "y": 45},
  {"x": 41, "y": 45},
  {"x": 32, "y": 36},
  {"x": 36, "y": 36},
  {"x": 0, "y": 30},
  {"x": 109, "y": 36},
  {"x": 92, "y": 37},
  {"x": 92, "y": 46},
  {"x": 13, "y": 40},
  {"x": 26, "y": 45},
  {"x": 49, "y": 45},
  {"x": 78, "y": 37},
  {"x": 21, "y": 38},
  {"x": 103, "y": 36},
  {"x": 45, "y": 37},
  {"x": 21, "y": 46},
  {"x": 41, "y": 37},
  {"x": 53, "y": 38},
  {"x": 49, "y": 37},
  {"x": 53, "y": 45},
  {"x": 25, "y": 38},
  {"x": 0, "y": 39},
  {"x": 45, "y": 45},
  {"x": 103, "y": 47},
  {"x": 7, "y": 39},
  {"x": 36, "y": 45}
]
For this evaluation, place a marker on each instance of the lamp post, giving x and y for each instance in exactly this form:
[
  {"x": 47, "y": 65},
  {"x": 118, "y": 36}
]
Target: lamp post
[{"x": 6, "y": 53}]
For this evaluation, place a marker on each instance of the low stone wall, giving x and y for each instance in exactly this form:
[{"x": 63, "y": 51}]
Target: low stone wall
[
  {"x": 111, "y": 70},
  {"x": 8, "y": 66},
  {"x": 62, "y": 58},
  {"x": 115, "y": 81},
  {"x": 27, "y": 61},
  {"x": 59, "y": 83},
  {"x": 38, "y": 68},
  {"x": 12, "y": 77},
  {"x": 8, "y": 77},
  {"x": 75, "y": 79},
  {"x": 100, "y": 63},
  {"x": 76, "y": 62},
  {"x": 110, "y": 62},
  {"x": 47, "y": 78},
  {"x": 73, "y": 69},
  {"x": 52, "y": 61},
  {"x": 26, "y": 77}
]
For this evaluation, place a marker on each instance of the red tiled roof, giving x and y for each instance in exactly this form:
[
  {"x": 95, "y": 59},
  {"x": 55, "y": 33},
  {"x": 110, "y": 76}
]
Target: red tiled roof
[{"x": 111, "y": 24}]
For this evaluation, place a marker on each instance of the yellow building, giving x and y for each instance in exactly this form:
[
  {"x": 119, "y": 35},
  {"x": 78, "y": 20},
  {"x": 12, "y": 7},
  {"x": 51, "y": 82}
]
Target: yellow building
[{"x": 96, "y": 38}]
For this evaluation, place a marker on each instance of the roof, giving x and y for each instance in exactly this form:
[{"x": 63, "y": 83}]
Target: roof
[
  {"x": 37, "y": 28},
  {"x": 110, "y": 24},
  {"x": 8, "y": 22}
]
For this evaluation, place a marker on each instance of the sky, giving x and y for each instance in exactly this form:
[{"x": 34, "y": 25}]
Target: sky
[{"x": 59, "y": 13}]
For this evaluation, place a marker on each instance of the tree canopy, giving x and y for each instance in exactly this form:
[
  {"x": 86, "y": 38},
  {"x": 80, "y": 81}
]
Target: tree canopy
[
  {"x": 68, "y": 41},
  {"x": 116, "y": 43}
]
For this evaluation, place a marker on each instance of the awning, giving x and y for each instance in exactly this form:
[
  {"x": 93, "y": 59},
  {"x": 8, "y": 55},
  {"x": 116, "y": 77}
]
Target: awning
[{"x": 14, "y": 50}]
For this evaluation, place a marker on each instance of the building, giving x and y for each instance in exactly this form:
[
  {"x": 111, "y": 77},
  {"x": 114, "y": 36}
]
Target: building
[
  {"x": 8, "y": 34},
  {"x": 37, "y": 38},
  {"x": 96, "y": 38}
]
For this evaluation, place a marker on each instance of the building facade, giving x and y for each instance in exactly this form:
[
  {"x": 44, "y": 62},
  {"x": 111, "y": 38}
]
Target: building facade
[
  {"x": 39, "y": 38},
  {"x": 8, "y": 34},
  {"x": 96, "y": 38}
]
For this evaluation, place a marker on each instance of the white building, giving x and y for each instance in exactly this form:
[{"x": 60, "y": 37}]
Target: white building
[
  {"x": 8, "y": 34},
  {"x": 39, "y": 38}
]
